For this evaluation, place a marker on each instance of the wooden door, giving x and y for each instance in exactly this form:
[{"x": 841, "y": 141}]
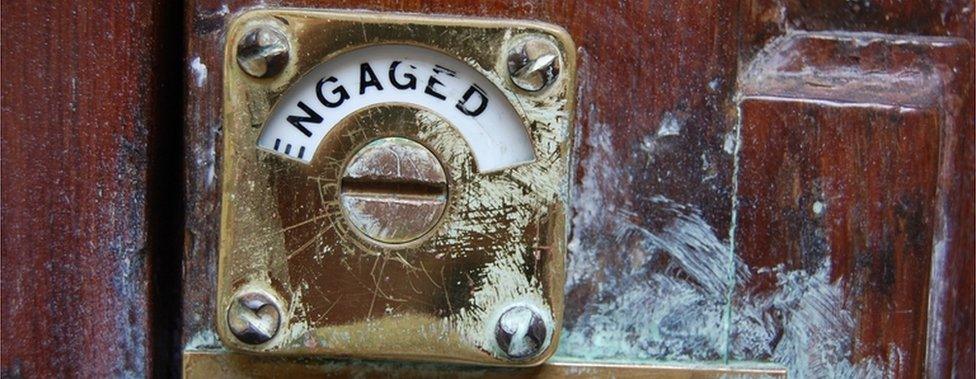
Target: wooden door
[{"x": 779, "y": 185}]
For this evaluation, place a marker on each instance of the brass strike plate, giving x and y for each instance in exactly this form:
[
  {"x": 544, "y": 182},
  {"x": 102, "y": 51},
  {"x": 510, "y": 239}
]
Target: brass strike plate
[{"x": 394, "y": 186}]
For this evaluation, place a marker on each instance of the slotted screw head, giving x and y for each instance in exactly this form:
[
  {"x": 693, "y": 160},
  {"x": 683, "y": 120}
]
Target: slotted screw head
[
  {"x": 393, "y": 190},
  {"x": 263, "y": 52},
  {"x": 254, "y": 317},
  {"x": 521, "y": 332},
  {"x": 533, "y": 64}
]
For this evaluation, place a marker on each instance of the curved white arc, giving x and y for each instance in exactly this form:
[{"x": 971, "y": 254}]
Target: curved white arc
[{"x": 494, "y": 131}]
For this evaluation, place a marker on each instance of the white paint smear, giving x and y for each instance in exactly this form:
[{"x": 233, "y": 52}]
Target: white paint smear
[{"x": 199, "y": 71}]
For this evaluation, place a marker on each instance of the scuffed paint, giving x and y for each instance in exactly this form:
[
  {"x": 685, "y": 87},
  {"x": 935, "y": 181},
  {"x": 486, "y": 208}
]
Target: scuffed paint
[
  {"x": 670, "y": 125},
  {"x": 643, "y": 311},
  {"x": 669, "y": 295},
  {"x": 206, "y": 339},
  {"x": 714, "y": 84},
  {"x": 728, "y": 144},
  {"x": 818, "y": 207},
  {"x": 805, "y": 326},
  {"x": 651, "y": 313},
  {"x": 199, "y": 71}
]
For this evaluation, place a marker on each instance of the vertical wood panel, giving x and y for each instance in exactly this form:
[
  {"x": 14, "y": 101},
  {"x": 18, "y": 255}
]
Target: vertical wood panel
[
  {"x": 842, "y": 177},
  {"x": 81, "y": 109},
  {"x": 836, "y": 220}
]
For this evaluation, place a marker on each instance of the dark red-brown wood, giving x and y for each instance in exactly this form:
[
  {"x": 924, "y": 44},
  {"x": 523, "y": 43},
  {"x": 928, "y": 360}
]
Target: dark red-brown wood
[
  {"x": 653, "y": 275},
  {"x": 910, "y": 17},
  {"x": 846, "y": 176},
  {"x": 89, "y": 113},
  {"x": 835, "y": 200},
  {"x": 677, "y": 151}
]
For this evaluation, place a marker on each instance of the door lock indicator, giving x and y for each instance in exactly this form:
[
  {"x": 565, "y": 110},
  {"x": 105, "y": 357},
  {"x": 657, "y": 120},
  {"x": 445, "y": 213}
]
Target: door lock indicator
[{"x": 394, "y": 186}]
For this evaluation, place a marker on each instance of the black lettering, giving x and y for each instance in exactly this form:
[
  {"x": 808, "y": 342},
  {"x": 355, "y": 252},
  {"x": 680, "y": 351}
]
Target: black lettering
[
  {"x": 444, "y": 70},
  {"x": 373, "y": 81},
  {"x": 474, "y": 89},
  {"x": 340, "y": 90},
  {"x": 310, "y": 116},
  {"x": 411, "y": 80},
  {"x": 431, "y": 82}
]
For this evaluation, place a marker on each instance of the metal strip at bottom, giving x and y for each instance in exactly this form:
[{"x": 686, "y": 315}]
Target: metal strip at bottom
[{"x": 225, "y": 364}]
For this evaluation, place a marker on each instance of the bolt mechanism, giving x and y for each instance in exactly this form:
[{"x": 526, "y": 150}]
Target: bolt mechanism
[
  {"x": 533, "y": 64},
  {"x": 254, "y": 317},
  {"x": 263, "y": 52},
  {"x": 394, "y": 190},
  {"x": 521, "y": 332}
]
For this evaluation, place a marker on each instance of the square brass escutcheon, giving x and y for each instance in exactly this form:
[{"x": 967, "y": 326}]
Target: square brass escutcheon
[{"x": 394, "y": 186}]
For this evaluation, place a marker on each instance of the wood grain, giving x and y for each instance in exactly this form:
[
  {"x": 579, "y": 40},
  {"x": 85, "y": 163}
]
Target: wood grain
[
  {"x": 92, "y": 206},
  {"x": 846, "y": 211},
  {"x": 652, "y": 274},
  {"x": 840, "y": 202},
  {"x": 916, "y": 17},
  {"x": 87, "y": 108}
]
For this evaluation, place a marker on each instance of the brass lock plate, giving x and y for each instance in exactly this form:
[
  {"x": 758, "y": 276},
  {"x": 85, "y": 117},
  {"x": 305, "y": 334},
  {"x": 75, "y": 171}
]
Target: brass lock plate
[{"x": 394, "y": 186}]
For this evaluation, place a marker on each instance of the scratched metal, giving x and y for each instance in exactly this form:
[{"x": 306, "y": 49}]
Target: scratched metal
[{"x": 501, "y": 240}]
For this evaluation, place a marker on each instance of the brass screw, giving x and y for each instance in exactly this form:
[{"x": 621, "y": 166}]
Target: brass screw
[
  {"x": 521, "y": 332},
  {"x": 263, "y": 52},
  {"x": 254, "y": 317},
  {"x": 393, "y": 190},
  {"x": 533, "y": 64}
]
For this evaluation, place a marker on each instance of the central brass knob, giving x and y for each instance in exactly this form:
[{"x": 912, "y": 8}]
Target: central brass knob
[{"x": 393, "y": 190}]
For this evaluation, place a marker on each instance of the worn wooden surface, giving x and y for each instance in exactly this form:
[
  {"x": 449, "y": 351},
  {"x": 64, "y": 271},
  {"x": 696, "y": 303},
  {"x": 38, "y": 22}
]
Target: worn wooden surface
[
  {"x": 652, "y": 272},
  {"x": 913, "y": 17},
  {"x": 846, "y": 144},
  {"x": 90, "y": 276},
  {"x": 87, "y": 109},
  {"x": 836, "y": 236}
]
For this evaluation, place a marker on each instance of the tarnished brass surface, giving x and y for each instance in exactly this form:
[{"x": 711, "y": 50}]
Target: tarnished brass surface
[
  {"x": 501, "y": 240},
  {"x": 212, "y": 364}
]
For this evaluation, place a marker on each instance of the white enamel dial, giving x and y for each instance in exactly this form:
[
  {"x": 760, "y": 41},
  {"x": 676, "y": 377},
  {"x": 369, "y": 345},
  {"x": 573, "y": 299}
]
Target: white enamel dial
[{"x": 398, "y": 74}]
